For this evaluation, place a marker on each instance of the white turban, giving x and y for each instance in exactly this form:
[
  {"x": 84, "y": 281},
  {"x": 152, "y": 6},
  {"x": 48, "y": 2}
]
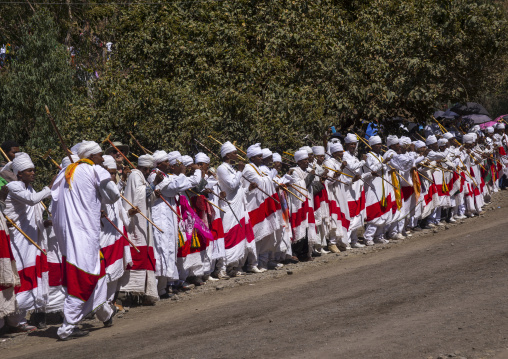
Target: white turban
[
  {"x": 187, "y": 160},
  {"x": 318, "y": 150},
  {"x": 276, "y": 157},
  {"x": 201, "y": 158},
  {"x": 490, "y": 129},
  {"x": 88, "y": 148},
  {"x": 227, "y": 147},
  {"x": 475, "y": 136},
  {"x": 469, "y": 138},
  {"x": 350, "y": 138},
  {"x": 419, "y": 144},
  {"x": 301, "y": 155},
  {"x": 336, "y": 147},
  {"x": 306, "y": 148},
  {"x": 431, "y": 140},
  {"x": 145, "y": 161},
  {"x": 266, "y": 153},
  {"x": 500, "y": 126},
  {"x": 160, "y": 156},
  {"x": 374, "y": 140},
  {"x": 174, "y": 157},
  {"x": 441, "y": 142},
  {"x": 404, "y": 140},
  {"x": 66, "y": 161},
  {"x": 109, "y": 162},
  {"x": 254, "y": 150},
  {"x": 21, "y": 162},
  {"x": 75, "y": 148},
  {"x": 475, "y": 128},
  {"x": 392, "y": 140},
  {"x": 448, "y": 135}
]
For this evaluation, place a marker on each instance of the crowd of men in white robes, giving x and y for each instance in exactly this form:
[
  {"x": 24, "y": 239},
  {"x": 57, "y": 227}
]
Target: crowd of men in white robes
[{"x": 172, "y": 222}]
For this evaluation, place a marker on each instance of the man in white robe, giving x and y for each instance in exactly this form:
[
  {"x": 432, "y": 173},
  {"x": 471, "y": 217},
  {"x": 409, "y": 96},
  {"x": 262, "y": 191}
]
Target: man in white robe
[
  {"x": 238, "y": 233},
  {"x": 23, "y": 207},
  {"x": 78, "y": 193},
  {"x": 139, "y": 279}
]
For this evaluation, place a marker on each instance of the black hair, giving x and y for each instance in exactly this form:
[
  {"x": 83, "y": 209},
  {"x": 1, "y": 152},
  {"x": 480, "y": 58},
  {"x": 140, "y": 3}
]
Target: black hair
[{"x": 7, "y": 145}]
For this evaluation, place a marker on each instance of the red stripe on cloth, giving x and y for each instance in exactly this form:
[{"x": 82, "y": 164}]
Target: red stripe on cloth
[
  {"x": 502, "y": 152},
  {"x": 114, "y": 252},
  {"x": 265, "y": 209},
  {"x": 79, "y": 283},
  {"x": 55, "y": 275},
  {"x": 407, "y": 192},
  {"x": 5, "y": 246},
  {"x": 217, "y": 229},
  {"x": 432, "y": 191},
  {"x": 303, "y": 214},
  {"x": 237, "y": 234},
  {"x": 28, "y": 276},
  {"x": 375, "y": 210},
  {"x": 320, "y": 197},
  {"x": 355, "y": 207},
  {"x": 144, "y": 260},
  {"x": 440, "y": 192}
]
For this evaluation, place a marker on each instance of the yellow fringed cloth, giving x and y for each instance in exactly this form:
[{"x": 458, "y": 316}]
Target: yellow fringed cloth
[{"x": 69, "y": 171}]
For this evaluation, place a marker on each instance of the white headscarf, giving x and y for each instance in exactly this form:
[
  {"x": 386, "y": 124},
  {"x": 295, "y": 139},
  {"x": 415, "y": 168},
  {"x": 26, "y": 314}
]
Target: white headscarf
[
  {"x": 227, "y": 147},
  {"x": 318, "y": 150},
  {"x": 145, "y": 161},
  {"x": 21, "y": 162},
  {"x": 419, "y": 144},
  {"x": 374, "y": 140},
  {"x": 468, "y": 138},
  {"x": 201, "y": 158},
  {"x": 66, "y": 161},
  {"x": 306, "y": 148},
  {"x": 276, "y": 157},
  {"x": 109, "y": 162},
  {"x": 448, "y": 135},
  {"x": 254, "y": 150},
  {"x": 441, "y": 142},
  {"x": 431, "y": 140},
  {"x": 174, "y": 157},
  {"x": 88, "y": 148},
  {"x": 187, "y": 160},
  {"x": 392, "y": 140},
  {"x": 350, "y": 138},
  {"x": 160, "y": 156},
  {"x": 336, "y": 147},
  {"x": 301, "y": 155},
  {"x": 404, "y": 140},
  {"x": 490, "y": 129},
  {"x": 266, "y": 153},
  {"x": 500, "y": 126}
]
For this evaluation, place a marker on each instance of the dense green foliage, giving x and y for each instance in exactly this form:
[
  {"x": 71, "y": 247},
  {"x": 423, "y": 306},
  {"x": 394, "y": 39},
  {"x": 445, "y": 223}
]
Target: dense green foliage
[{"x": 246, "y": 70}]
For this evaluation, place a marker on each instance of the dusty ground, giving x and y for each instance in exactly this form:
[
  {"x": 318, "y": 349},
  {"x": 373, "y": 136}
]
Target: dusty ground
[{"x": 440, "y": 294}]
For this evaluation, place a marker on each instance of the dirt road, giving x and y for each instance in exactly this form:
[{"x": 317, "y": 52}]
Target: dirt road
[{"x": 439, "y": 293}]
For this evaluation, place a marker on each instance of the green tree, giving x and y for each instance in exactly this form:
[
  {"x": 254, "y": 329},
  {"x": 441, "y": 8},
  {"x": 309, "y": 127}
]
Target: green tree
[{"x": 39, "y": 75}]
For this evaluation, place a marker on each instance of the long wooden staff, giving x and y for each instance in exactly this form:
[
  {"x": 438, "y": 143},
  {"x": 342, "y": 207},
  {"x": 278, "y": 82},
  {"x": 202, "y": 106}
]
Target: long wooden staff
[
  {"x": 116, "y": 148},
  {"x": 119, "y": 231},
  {"x": 141, "y": 213},
  {"x": 139, "y": 144},
  {"x": 197, "y": 194},
  {"x": 262, "y": 191},
  {"x": 47, "y": 155},
  {"x": 5, "y": 155},
  {"x": 170, "y": 206},
  {"x": 206, "y": 148},
  {"x": 24, "y": 234},
  {"x": 64, "y": 146}
]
